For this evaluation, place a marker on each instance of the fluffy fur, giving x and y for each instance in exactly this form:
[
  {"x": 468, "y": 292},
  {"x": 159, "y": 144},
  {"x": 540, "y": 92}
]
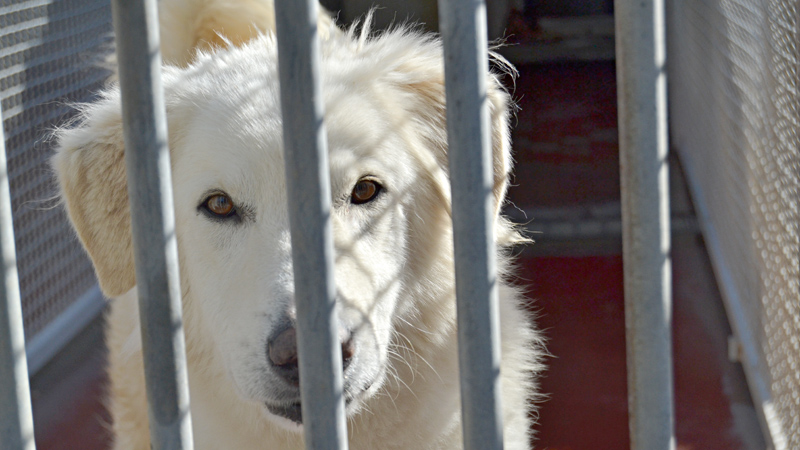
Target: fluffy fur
[{"x": 385, "y": 116}]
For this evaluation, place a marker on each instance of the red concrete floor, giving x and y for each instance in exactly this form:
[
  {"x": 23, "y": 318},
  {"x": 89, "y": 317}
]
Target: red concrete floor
[
  {"x": 580, "y": 306},
  {"x": 566, "y": 151}
]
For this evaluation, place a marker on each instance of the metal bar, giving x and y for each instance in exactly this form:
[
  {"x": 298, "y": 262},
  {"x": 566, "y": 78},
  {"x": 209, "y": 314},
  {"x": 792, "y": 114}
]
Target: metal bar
[
  {"x": 463, "y": 28},
  {"x": 641, "y": 81},
  {"x": 153, "y": 222},
  {"x": 308, "y": 186},
  {"x": 16, "y": 419}
]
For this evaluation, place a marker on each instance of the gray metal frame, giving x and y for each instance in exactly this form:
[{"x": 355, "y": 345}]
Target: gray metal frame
[
  {"x": 46, "y": 344},
  {"x": 153, "y": 223},
  {"x": 641, "y": 81},
  {"x": 16, "y": 418}
]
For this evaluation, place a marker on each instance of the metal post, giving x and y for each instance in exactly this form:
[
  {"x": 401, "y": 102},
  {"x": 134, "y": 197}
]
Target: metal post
[
  {"x": 463, "y": 27},
  {"x": 308, "y": 186},
  {"x": 153, "y": 223},
  {"x": 641, "y": 81},
  {"x": 16, "y": 419}
]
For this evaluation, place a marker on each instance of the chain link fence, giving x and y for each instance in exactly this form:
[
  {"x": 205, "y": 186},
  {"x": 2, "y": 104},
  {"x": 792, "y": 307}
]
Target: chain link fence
[
  {"x": 733, "y": 67},
  {"x": 48, "y": 61}
]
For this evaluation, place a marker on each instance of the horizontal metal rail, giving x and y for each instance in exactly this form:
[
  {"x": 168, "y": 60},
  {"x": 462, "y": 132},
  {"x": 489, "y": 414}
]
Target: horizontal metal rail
[
  {"x": 153, "y": 223},
  {"x": 16, "y": 419},
  {"x": 309, "y": 196},
  {"x": 54, "y": 337},
  {"x": 463, "y": 28}
]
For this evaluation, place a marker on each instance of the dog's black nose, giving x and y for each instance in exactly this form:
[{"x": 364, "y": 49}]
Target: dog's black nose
[{"x": 282, "y": 354}]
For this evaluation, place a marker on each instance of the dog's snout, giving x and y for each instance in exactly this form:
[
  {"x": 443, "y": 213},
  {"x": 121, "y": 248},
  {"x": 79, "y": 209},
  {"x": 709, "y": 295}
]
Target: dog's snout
[
  {"x": 282, "y": 354},
  {"x": 348, "y": 350},
  {"x": 283, "y": 348}
]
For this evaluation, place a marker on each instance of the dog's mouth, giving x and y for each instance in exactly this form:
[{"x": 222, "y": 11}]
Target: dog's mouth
[
  {"x": 356, "y": 388},
  {"x": 294, "y": 411}
]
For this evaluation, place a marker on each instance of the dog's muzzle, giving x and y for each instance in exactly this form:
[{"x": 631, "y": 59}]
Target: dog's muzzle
[{"x": 282, "y": 358}]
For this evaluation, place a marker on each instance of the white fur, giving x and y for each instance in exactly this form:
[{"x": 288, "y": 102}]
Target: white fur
[{"x": 384, "y": 103}]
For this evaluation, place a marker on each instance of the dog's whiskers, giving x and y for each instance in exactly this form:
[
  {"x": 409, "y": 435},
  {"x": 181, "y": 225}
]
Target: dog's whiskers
[{"x": 413, "y": 353}]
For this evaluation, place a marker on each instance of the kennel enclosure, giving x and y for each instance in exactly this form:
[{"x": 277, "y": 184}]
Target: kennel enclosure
[{"x": 733, "y": 70}]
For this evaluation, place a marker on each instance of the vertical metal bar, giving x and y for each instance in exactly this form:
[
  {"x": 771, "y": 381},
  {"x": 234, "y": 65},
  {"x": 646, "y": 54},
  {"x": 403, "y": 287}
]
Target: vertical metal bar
[
  {"x": 463, "y": 28},
  {"x": 308, "y": 186},
  {"x": 16, "y": 420},
  {"x": 641, "y": 81},
  {"x": 153, "y": 222}
]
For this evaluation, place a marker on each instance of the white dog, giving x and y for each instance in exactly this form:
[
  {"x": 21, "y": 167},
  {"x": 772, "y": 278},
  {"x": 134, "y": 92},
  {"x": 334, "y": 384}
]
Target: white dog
[{"x": 385, "y": 115}]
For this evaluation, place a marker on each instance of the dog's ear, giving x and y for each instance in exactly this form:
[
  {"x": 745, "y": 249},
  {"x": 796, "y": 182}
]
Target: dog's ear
[
  {"x": 90, "y": 167},
  {"x": 187, "y": 26},
  {"x": 423, "y": 78}
]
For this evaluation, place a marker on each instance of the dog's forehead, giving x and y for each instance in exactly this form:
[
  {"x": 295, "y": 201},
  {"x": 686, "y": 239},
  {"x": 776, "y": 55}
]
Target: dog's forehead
[
  {"x": 248, "y": 126},
  {"x": 234, "y": 138}
]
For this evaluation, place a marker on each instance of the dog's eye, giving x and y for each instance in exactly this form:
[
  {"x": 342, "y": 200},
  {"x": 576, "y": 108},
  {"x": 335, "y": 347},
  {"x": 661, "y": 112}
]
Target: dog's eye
[
  {"x": 220, "y": 205},
  {"x": 365, "y": 191}
]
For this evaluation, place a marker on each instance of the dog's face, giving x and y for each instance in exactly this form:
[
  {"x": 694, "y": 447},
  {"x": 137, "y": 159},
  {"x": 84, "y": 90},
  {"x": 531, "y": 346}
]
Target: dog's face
[
  {"x": 234, "y": 234},
  {"x": 389, "y": 192}
]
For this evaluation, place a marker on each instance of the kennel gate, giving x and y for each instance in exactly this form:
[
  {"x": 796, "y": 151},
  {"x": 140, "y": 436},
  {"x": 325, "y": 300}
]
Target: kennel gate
[{"x": 464, "y": 32}]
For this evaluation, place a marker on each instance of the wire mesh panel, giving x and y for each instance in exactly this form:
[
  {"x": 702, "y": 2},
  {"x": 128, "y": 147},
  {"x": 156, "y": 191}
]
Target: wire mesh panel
[
  {"x": 48, "y": 59},
  {"x": 734, "y": 75}
]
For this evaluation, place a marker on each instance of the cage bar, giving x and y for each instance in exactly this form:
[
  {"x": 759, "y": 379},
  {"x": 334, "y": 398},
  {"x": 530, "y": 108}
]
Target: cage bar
[
  {"x": 641, "y": 81},
  {"x": 463, "y": 28},
  {"x": 16, "y": 418},
  {"x": 153, "y": 223},
  {"x": 309, "y": 197}
]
